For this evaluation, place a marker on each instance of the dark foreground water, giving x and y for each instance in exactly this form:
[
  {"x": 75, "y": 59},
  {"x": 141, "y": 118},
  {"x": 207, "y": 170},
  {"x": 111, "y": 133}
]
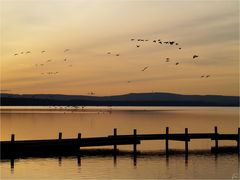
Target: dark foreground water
[{"x": 46, "y": 122}]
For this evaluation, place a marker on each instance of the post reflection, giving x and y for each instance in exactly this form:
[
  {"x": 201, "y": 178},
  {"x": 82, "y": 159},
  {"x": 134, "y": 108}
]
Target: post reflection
[{"x": 12, "y": 165}]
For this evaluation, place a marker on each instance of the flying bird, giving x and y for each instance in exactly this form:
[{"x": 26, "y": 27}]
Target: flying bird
[
  {"x": 66, "y": 50},
  {"x": 137, "y": 46},
  {"x": 132, "y": 39},
  {"x": 15, "y": 54},
  {"x": 195, "y": 56},
  {"x": 49, "y": 60},
  {"x": 22, "y": 52},
  {"x": 108, "y": 52},
  {"x": 28, "y": 52},
  {"x": 167, "y": 59},
  {"x": 145, "y": 68},
  {"x": 177, "y": 63},
  {"x": 171, "y": 42},
  {"x": 65, "y": 59},
  {"x": 154, "y": 41},
  {"x": 207, "y": 76},
  {"x": 180, "y": 48},
  {"x": 176, "y": 44},
  {"x": 43, "y": 51},
  {"x": 117, "y": 54},
  {"x": 202, "y": 76}
]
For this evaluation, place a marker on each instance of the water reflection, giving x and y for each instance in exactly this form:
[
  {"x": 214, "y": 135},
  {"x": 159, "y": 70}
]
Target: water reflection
[{"x": 183, "y": 157}]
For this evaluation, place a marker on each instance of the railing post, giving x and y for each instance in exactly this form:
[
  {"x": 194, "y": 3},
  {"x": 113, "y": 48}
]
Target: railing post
[
  {"x": 12, "y": 143},
  {"x": 12, "y": 138},
  {"x": 115, "y": 135},
  {"x": 166, "y": 142},
  {"x": 60, "y": 136},
  {"x": 134, "y": 144},
  {"x": 186, "y": 142},
  {"x": 238, "y": 143},
  {"x": 79, "y": 140},
  {"x": 216, "y": 139}
]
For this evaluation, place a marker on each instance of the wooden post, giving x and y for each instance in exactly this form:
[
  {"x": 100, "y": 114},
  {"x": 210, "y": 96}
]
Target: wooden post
[
  {"x": 216, "y": 139},
  {"x": 238, "y": 143},
  {"x": 59, "y": 136},
  {"x": 135, "y": 138},
  {"x": 79, "y": 136},
  {"x": 12, "y": 143},
  {"x": 166, "y": 143},
  {"x": 186, "y": 142},
  {"x": 115, "y": 135},
  {"x": 12, "y": 138},
  {"x": 79, "y": 140}
]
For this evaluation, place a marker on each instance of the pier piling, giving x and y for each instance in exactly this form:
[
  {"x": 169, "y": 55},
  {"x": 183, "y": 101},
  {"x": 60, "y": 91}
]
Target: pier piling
[
  {"x": 186, "y": 142},
  {"x": 135, "y": 138},
  {"x": 166, "y": 142},
  {"x": 60, "y": 136},
  {"x": 216, "y": 139},
  {"x": 238, "y": 141},
  {"x": 115, "y": 135}
]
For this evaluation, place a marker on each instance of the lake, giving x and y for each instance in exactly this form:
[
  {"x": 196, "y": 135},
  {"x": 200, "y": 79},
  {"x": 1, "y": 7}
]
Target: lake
[{"x": 47, "y": 122}]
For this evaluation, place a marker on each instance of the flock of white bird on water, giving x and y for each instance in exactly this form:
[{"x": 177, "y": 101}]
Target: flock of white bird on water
[{"x": 138, "y": 44}]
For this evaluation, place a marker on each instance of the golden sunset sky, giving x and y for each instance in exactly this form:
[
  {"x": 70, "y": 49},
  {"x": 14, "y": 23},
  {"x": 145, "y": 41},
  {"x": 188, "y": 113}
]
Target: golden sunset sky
[{"x": 90, "y": 29}]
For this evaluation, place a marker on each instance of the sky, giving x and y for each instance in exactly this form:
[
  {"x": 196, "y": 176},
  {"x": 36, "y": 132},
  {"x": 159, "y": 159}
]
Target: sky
[{"x": 90, "y": 29}]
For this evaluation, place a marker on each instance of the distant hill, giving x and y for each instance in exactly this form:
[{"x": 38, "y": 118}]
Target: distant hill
[{"x": 132, "y": 99}]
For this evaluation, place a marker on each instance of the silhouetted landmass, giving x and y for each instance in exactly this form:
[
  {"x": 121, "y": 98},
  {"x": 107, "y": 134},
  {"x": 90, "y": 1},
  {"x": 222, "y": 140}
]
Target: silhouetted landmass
[{"x": 133, "y": 99}]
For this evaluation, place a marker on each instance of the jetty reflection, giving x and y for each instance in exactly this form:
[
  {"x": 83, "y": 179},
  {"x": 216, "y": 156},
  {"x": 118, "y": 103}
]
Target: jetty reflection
[{"x": 106, "y": 153}]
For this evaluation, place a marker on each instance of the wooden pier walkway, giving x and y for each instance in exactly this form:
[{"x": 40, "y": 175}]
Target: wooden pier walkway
[{"x": 54, "y": 147}]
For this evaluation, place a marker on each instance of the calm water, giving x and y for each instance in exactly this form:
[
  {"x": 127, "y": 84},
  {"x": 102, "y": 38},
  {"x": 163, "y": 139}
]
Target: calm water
[{"x": 46, "y": 122}]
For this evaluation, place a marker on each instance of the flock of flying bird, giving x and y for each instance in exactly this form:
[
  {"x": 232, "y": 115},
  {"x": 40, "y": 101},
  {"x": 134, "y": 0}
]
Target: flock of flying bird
[
  {"x": 159, "y": 41},
  {"x": 138, "y": 45}
]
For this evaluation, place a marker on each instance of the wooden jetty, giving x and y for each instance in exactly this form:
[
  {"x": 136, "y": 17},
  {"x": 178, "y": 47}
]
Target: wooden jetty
[{"x": 55, "y": 147}]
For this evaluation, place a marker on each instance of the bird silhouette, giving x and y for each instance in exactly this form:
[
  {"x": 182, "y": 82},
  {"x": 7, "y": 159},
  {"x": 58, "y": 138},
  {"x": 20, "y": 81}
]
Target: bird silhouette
[
  {"x": 171, "y": 42},
  {"x": 28, "y": 52},
  {"x": 154, "y": 41},
  {"x": 66, "y": 50},
  {"x": 180, "y": 48},
  {"x": 176, "y": 44},
  {"x": 137, "y": 46},
  {"x": 65, "y": 59},
  {"x": 129, "y": 81},
  {"x": 195, "y": 56},
  {"x": 49, "y": 60},
  {"x": 145, "y": 68},
  {"x": 207, "y": 76},
  {"x": 177, "y": 63},
  {"x": 22, "y": 52},
  {"x": 43, "y": 51},
  {"x": 167, "y": 59},
  {"x": 108, "y": 52},
  {"x": 132, "y": 39},
  {"x": 117, "y": 54},
  {"x": 15, "y": 54}
]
